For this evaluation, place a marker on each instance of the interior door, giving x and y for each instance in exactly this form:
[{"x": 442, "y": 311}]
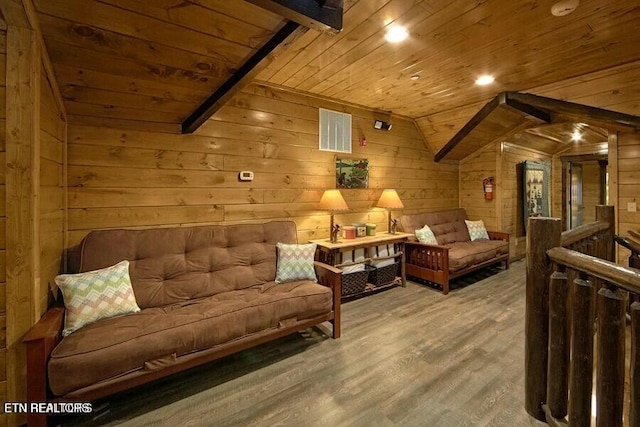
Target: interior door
[{"x": 575, "y": 199}]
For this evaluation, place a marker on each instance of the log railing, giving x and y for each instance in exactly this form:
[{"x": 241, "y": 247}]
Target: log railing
[{"x": 576, "y": 296}]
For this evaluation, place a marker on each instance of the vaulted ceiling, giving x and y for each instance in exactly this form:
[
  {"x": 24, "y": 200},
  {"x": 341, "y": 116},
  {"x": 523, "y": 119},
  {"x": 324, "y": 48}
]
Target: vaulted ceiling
[{"x": 156, "y": 61}]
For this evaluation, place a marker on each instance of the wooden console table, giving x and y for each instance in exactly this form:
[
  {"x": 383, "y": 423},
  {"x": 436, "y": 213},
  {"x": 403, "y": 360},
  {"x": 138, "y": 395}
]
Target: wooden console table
[{"x": 332, "y": 253}]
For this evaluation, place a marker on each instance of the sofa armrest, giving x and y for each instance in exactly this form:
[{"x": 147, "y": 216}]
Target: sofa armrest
[
  {"x": 425, "y": 246},
  {"x": 41, "y": 339},
  {"x": 432, "y": 257},
  {"x": 497, "y": 235},
  {"x": 332, "y": 277},
  {"x": 328, "y": 275}
]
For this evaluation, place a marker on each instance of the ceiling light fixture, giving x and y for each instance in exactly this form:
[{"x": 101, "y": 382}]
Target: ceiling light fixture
[
  {"x": 396, "y": 34},
  {"x": 415, "y": 77},
  {"x": 485, "y": 80},
  {"x": 576, "y": 136},
  {"x": 564, "y": 7}
]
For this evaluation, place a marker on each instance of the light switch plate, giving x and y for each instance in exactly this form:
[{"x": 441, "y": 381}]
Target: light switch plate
[{"x": 631, "y": 207}]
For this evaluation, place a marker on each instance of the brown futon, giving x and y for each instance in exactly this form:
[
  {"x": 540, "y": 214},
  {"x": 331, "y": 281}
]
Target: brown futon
[
  {"x": 204, "y": 293},
  {"x": 455, "y": 254}
]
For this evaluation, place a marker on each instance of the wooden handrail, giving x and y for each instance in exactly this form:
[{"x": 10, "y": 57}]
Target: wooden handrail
[
  {"x": 570, "y": 237},
  {"x": 626, "y": 278}
]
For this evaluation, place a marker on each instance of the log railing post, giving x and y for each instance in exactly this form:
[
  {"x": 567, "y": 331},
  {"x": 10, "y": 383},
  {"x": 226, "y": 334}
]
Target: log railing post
[
  {"x": 558, "y": 367},
  {"x": 634, "y": 410},
  {"x": 607, "y": 214},
  {"x": 611, "y": 308},
  {"x": 542, "y": 234},
  {"x": 581, "y": 367}
]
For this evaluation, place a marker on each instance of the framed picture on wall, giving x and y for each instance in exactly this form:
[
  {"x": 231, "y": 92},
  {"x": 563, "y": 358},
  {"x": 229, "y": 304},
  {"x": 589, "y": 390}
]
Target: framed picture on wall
[
  {"x": 536, "y": 190},
  {"x": 352, "y": 173}
]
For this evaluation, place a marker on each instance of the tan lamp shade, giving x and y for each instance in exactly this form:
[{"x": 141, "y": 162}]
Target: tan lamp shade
[
  {"x": 390, "y": 200},
  {"x": 332, "y": 200}
]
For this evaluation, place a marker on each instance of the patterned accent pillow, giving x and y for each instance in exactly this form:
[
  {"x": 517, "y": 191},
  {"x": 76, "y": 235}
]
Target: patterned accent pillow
[
  {"x": 295, "y": 262},
  {"x": 477, "y": 230},
  {"x": 425, "y": 235},
  {"x": 95, "y": 295}
]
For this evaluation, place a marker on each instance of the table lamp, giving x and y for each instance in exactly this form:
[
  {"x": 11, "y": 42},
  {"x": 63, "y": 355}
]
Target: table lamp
[
  {"x": 390, "y": 200},
  {"x": 332, "y": 201}
]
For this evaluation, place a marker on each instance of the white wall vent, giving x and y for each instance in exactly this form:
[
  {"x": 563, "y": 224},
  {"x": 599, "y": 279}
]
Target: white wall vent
[{"x": 335, "y": 131}]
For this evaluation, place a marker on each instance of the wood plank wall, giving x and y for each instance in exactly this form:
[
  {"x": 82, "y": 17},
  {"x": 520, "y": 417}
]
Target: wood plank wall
[
  {"x": 3, "y": 222},
  {"x": 504, "y": 212},
  {"x": 513, "y": 223},
  {"x": 52, "y": 192},
  {"x": 133, "y": 178},
  {"x": 473, "y": 170},
  {"x": 628, "y": 189},
  {"x": 590, "y": 189}
]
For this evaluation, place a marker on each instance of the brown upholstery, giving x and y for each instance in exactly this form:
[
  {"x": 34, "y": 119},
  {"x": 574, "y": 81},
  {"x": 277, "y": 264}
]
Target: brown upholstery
[
  {"x": 172, "y": 265},
  {"x": 447, "y": 226},
  {"x": 198, "y": 288},
  {"x": 112, "y": 347},
  {"x": 455, "y": 254},
  {"x": 465, "y": 254}
]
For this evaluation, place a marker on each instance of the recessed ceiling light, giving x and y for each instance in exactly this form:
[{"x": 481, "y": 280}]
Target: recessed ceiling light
[
  {"x": 415, "y": 77},
  {"x": 396, "y": 34},
  {"x": 564, "y": 7},
  {"x": 485, "y": 80},
  {"x": 576, "y": 136}
]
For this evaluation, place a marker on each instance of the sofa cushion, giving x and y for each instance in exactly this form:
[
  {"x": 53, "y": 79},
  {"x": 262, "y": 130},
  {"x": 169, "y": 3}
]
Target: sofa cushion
[
  {"x": 172, "y": 265},
  {"x": 295, "y": 262},
  {"x": 425, "y": 235},
  {"x": 95, "y": 295},
  {"x": 466, "y": 254},
  {"x": 477, "y": 230},
  {"x": 119, "y": 345},
  {"x": 447, "y": 226}
]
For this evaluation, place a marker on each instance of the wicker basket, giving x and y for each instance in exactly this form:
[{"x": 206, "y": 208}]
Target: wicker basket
[
  {"x": 383, "y": 275},
  {"x": 356, "y": 282}
]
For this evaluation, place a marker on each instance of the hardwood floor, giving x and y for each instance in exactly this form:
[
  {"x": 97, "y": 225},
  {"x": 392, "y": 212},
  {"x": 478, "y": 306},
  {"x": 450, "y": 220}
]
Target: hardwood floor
[{"x": 407, "y": 357}]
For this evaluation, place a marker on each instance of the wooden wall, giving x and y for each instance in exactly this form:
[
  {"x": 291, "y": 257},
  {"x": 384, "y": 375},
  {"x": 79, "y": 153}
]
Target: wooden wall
[
  {"x": 3, "y": 221},
  {"x": 504, "y": 212},
  {"x": 473, "y": 170},
  {"x": 512, "y": 219},
  {"x": 624, "y": 169},
  {"x": 52, "y": 191},
  {"x": 590, "y": 189},
  {"x": 126, "y": 178}
]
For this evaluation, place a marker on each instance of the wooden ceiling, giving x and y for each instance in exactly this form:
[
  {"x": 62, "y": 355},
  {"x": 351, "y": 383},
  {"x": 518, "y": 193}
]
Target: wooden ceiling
[
  {"x": 148, "y": 61},
  {"x": 152, "y": 62},
  {"x": 451, "y": 43},
  {"x": 521, "y": 115}
]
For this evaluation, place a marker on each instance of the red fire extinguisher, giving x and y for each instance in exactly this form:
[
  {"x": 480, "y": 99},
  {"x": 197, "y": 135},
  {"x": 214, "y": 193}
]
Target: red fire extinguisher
[{"x": 487, "y": 185}]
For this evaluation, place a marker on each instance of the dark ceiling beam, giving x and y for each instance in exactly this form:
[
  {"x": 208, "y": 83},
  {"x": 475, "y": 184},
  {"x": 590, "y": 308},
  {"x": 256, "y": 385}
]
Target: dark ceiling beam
[
  {"x": 325, "y": 16},
  {"x": 471, "y": 125},
  {"x": 585, "y": 112},
  {"x": 543, "y": 109},
  {"x": 527, "y": 109},
  {"x": 245, "y": 74}
]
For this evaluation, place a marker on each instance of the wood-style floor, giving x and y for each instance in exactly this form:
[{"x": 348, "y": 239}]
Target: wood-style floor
[{"x": 407, "y": 357}]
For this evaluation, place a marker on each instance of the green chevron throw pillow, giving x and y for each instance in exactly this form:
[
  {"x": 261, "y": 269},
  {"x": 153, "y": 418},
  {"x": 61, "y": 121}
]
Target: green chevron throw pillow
[
  {"x": 295, "y": 262},
  {"x": 95, "y": 295},
  {"x": 477, "y": 230},
  {"x": 425, "y": 235}
]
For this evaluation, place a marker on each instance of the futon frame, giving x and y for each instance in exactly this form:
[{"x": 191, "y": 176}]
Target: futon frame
[{"x": 431, "y": 262}]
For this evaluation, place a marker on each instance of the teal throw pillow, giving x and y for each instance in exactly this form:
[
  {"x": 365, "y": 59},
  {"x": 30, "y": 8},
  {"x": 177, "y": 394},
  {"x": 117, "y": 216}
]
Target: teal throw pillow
[
  {"x": 425, "y": 235},
  {"x": 477, "y": 230}
]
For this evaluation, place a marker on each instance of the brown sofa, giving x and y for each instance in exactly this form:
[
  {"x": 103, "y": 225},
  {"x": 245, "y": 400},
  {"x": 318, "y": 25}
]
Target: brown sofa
[
  {"x": 204, "y": 293},
  {"x": 455, "y": 254}
]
